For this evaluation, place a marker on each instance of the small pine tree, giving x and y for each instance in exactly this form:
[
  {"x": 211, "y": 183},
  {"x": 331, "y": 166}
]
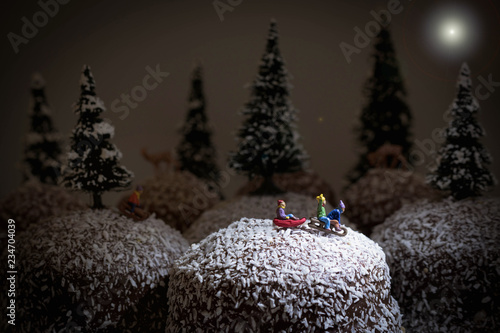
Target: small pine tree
[
  {"x": 195, "y": 152},
  {"x": 268, "y": 140},
  {"x": 93, "y": 160},
  {"x": 461, "y": 166},
  {"x": 386, "y": 119},
  {"x": 42, "y": 154}
]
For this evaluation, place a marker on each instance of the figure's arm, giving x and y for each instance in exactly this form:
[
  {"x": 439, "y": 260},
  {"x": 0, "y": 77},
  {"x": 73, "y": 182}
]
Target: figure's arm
[{"x": 334, "y": 214}]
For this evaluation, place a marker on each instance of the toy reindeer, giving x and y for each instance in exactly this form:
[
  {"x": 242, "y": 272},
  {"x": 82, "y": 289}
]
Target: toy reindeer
[
  {"x": 387, "y": 156},
  {"x": 166, "y": 158}
]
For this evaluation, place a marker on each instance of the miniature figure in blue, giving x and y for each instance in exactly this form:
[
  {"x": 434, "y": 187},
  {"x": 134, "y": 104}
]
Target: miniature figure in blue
[{"x": 333, "y": 216}]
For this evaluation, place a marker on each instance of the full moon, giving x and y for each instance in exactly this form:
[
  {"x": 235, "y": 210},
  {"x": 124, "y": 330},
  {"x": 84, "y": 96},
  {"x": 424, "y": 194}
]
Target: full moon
[{"x": 452, "y": 31}]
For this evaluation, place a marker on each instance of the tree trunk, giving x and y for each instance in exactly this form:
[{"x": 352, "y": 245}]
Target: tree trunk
[
  {"x": 97, "y": 199},
  {"x": 268, "y": 187}
]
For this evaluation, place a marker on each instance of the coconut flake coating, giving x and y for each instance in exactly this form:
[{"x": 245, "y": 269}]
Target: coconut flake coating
[
  {"x": 178, "y": 198},
  {"x": 34, "y": 201},
  {"x": 94, "y": 270},
  {"x": 261, "y": 207},
  {"x": 253, "y": 277},
  {"x": 306, "y": 182},
  {"x": 380, "y": 193},
  {"x": 445, "y": 264}
]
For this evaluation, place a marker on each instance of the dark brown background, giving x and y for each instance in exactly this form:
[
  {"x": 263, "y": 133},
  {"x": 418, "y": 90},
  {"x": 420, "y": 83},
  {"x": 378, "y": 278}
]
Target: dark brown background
[{"x": 119, "y": 39}]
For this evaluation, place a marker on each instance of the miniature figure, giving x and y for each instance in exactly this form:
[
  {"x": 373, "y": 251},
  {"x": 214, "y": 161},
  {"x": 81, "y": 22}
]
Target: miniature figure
[
  {"x": 334, "y": 216},
  {"x": 280, "y": 211},
  {"x": 284, "y": 220},
  {"x": 134, "y": 199},
  {"x": 131, "y": 207},
  {"x": 323, "y": 221}
]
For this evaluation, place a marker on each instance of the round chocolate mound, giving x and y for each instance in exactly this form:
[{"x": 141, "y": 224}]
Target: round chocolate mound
[
  {"x": 34, "y": 201},
  {"x": 177, "y": 197},
  {"x": 94, "y": 270},
  {"x": 380, "y": 193},
  {"x": 444, "y": 259},
  {"x": 305, "y": 182},
  {"x": 261, "y": 207},
  {"x": 252, "y": 277}
]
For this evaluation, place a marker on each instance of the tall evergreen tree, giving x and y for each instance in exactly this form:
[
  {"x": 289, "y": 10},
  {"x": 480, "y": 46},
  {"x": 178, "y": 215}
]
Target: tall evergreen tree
[
  {"x": 268, "y": 140},
  {"x": 42, "y": 154},
  {"x": 196, "y": 152},
  {"x": 462, "y": 160},
  {"x": 93, "y": 160},
  {"x": 386, "y": 118}
]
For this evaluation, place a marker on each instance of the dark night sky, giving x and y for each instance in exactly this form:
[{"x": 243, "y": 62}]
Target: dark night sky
[{"x": 120, "y": 39}]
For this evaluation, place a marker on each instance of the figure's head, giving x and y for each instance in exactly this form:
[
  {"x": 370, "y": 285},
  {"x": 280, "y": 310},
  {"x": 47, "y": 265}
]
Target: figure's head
[
  {"x": 321, "y": 199},
  {"x": 281, "y": 203},
  {"x": 139, "y": 188},
  {"x": 342, "y": 206}
]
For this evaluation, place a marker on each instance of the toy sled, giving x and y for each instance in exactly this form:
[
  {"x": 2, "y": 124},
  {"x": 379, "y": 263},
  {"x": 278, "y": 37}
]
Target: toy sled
[
  {"x": 319, "y": 225},
  {"x": 289, "y": 223},
  {"x": 139, "y": 214}
]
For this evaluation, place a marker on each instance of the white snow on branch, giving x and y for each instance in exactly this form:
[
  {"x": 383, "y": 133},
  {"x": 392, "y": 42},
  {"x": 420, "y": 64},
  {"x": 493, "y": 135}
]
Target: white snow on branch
[
  {"x": 104, "y": 128},
  {"x": 110, "y": 154}
]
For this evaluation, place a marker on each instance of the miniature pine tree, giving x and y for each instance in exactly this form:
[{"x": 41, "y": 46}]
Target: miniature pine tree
[
  {"x": 195, "y": 152},
  {"x": 42, "y": 154},
  {"x": 93, "y": 160},
  {"x": 461, "y": 167},
  {"x": 386, "y": 119},
  {"x": 268, "y": 140}
]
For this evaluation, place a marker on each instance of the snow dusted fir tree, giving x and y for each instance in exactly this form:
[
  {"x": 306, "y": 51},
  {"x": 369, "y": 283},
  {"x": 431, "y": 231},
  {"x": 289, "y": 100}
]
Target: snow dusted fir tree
[
  {"x": 93, "y": 160},
  {"x": 196, "y": 152},
  {"x": 268, "y": 140},
  {"x": 42, "y": 153},
  {"x": 386, "y": 119},
  {"x": 461, "y": 165}
]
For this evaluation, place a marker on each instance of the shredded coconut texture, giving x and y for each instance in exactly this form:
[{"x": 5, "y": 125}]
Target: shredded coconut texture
[
  {"x": 262, "y": 207},
  {"x": 95, "y": 270},
  {"x": 304, "y": 182},
  {"x": 178, "y": 198},
  {"x": 253, "y": 277},
  {"x": 445, "y": 264},
  {"x": 34, "y": 201},
  {"x": 380, "y": 193}
]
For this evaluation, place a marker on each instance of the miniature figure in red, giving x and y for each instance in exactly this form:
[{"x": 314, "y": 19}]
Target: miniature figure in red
[
  {"x": 134, "y": 199},
  {"x": 131, "y": 206}
]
